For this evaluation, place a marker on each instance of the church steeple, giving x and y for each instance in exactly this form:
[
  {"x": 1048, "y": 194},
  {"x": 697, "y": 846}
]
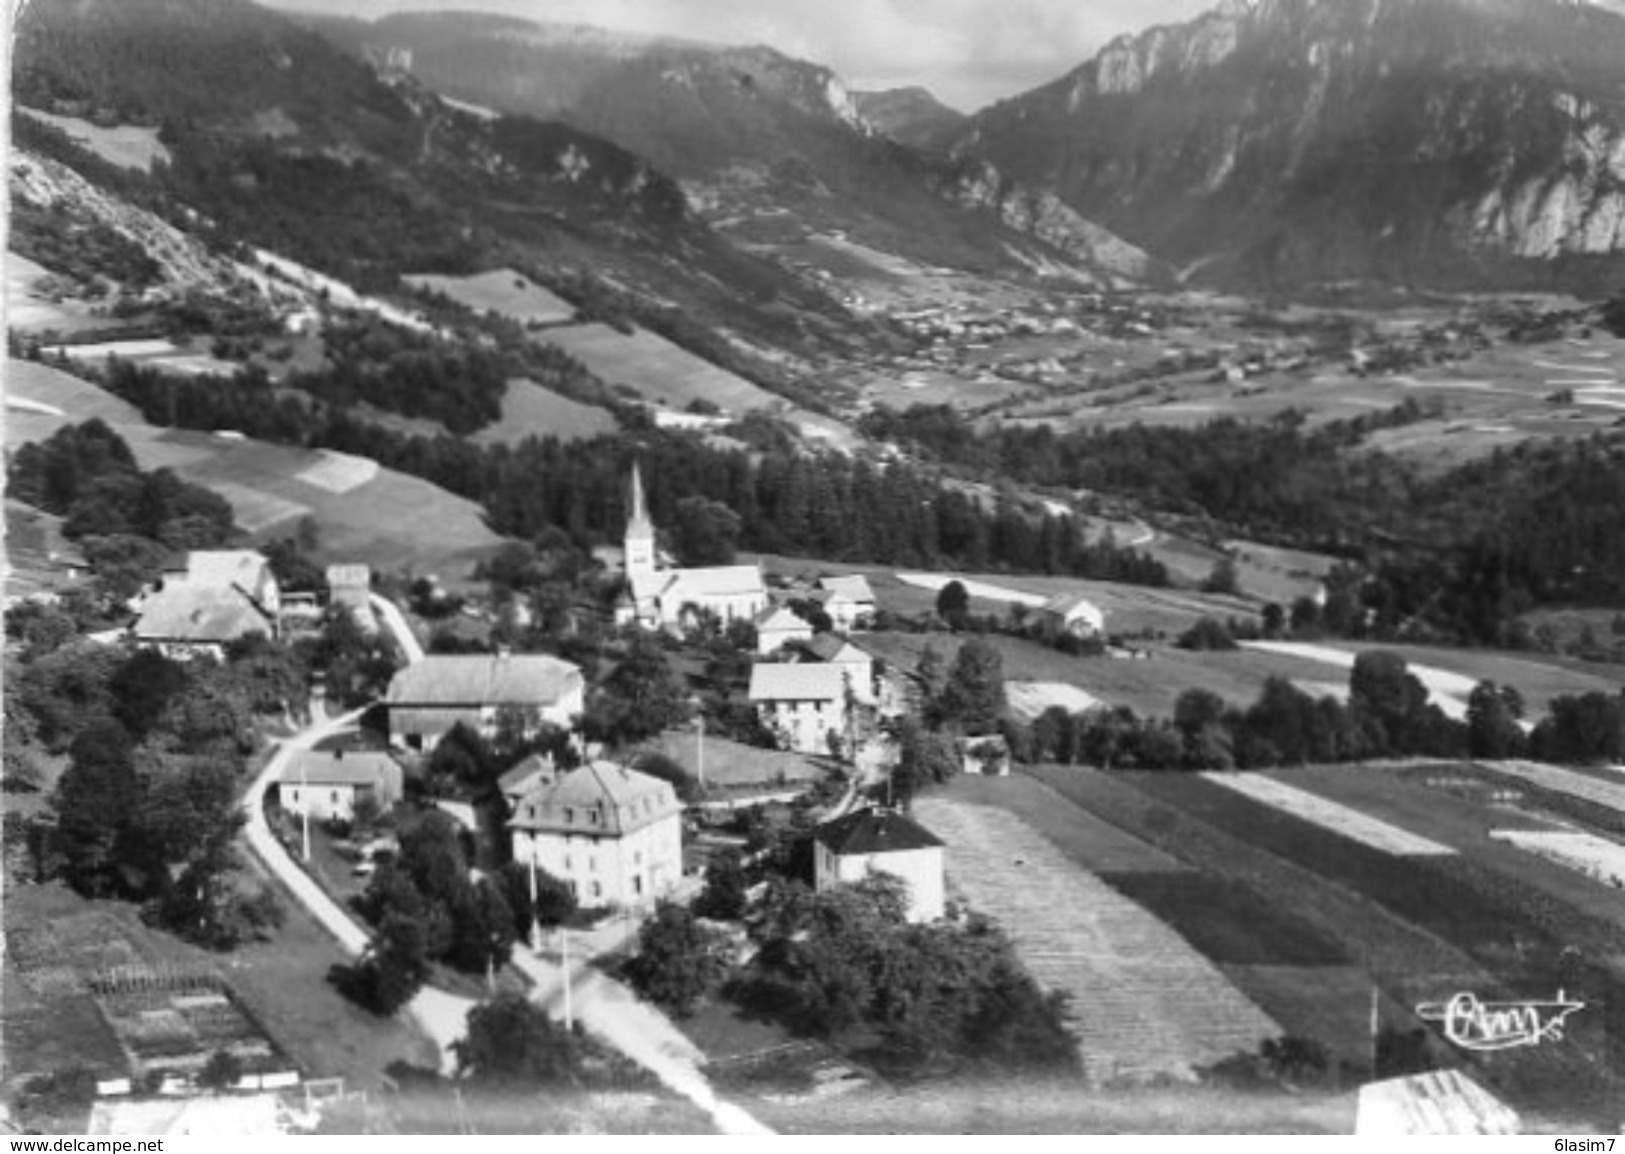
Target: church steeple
[{"x": 640, "y": 531}]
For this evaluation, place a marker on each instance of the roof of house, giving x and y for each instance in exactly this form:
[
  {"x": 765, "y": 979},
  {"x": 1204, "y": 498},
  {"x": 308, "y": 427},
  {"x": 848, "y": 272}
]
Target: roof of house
[
  {"x": 808, "y": 681},
  {"x": 338, "y": 767},
  {"x": 223, "y": 568},
  {"x": 829, "y": 597},
  {"x": 484, "y": 679},
  {"x": 870, "y": 831},
  {"x": 1069, "y": 604},
  {"x": 779, "y": 617},
  {"x": 535, "y": 770},
  {"x": 597, "y": 799},
  {"x": 855, "y": 587},
  {"x": 838, "y": 650},
  {"x": 199, "y": 613}
]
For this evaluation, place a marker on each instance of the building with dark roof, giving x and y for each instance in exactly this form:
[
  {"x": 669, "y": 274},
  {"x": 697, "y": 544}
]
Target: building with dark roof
[
  {"x": 867, "y": 841},
  {"x": 612, "y": 834}
]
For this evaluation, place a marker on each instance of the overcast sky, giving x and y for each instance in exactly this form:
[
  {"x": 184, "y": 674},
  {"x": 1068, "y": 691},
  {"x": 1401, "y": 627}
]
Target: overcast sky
[{"x": 969, "y": 52}]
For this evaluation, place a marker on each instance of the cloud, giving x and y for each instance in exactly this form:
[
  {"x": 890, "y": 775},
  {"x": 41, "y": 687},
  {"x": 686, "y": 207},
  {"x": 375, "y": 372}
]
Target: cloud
[{"x": 969, "y": 52}]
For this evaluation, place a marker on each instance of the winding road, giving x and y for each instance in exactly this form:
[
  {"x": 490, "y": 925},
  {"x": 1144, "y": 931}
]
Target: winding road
[{"x": 606, "y": 1008}]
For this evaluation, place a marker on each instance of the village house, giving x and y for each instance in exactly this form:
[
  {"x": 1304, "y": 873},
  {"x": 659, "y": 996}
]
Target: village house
[
  {"x": 217, "y": 596},
  {"x": 867, "y": 841},
  {"x": 427, "y": 699},
  {"x": 838, "y": 651},
  {"x": 612, "y": 834},
  {"x": 327, "y": 785},
  {"x": 778, "y": 625},
  {"x": 659, "y": 598},
  {"x": 804, "y": 703},
  {"x": 1068, "y": 613},
  {"x": 350, "y": 586},
  {"x": 852, "y": 605},
  {"x": 987, "y": 756}
]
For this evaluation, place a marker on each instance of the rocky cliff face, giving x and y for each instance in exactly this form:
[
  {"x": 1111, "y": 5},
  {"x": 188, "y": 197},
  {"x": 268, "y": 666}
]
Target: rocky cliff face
[{"x": 1284, "y": 141}]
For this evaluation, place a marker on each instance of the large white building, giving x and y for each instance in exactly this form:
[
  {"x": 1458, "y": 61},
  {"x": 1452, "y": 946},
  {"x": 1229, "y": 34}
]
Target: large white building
[
  {"x": 614, "y": 835},
  {"x": 665, "y": 598},
  {"x": 868, "y": 841},
  {"x": 429, "y": 697}
]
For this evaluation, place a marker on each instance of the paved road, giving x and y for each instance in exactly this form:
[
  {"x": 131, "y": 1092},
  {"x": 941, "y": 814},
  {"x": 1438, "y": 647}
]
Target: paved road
[
  {"x": 395, "y": 620},
  {"x": 439, "y": 1015},
  {"x": 614, "y": 1014}
]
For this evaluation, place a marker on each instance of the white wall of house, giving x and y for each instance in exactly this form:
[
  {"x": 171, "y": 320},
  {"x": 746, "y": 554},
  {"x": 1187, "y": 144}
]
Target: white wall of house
[
  {"x": 727, "y": 607},
  {"x": 808, "y": 724},
  {"x": 920, "y": 868},
  {"x": 630, "y": 870},
  {"x": 323, "y": 801}
]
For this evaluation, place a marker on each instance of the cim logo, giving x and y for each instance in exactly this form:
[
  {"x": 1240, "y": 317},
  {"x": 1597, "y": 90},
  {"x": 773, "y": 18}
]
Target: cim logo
[{"x": 1481, "y": 1026}]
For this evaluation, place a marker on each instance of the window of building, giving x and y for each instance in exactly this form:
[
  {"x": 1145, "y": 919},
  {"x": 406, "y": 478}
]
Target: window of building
[
  {"x": 569, "y": 815},
  {"x": 637, "y": 884},
  {"x": 592, "y": 864},
  {"x": 597, "y": 890},
  {"x": 335, "y": 797},
  {"x": 566, "y": 861}
]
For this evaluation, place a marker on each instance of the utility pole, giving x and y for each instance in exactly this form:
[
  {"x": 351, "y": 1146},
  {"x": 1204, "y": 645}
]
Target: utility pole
[
  {"x": 535, "y": 923},
  {"x": 304, "y": 796},
  {"x": 699, "y": 749},
  {"x": 569, "y": 1014}
]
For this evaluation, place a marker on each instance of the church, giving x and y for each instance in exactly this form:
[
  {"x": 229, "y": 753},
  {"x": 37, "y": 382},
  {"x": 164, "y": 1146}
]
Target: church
[{"x": 658, "y": 598}]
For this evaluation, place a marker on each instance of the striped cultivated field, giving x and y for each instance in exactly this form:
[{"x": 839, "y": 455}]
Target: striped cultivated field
[
  {"x": 1331, "y": 815},
  {"x": 1584, "y": 853},
  {"x": 1144, "y": 1002},
  {"x": 1592, "y": 789}
]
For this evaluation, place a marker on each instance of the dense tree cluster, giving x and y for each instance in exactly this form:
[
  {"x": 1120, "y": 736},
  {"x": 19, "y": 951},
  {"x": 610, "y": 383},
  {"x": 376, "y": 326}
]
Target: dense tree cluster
[
  {"x": 844, "y": 964},
  {"x": 146, "y": 808},
  {"x": 87, "y": 475},
  {"x": 825, "y": 505},
  {"x": 425, "y": 907}
]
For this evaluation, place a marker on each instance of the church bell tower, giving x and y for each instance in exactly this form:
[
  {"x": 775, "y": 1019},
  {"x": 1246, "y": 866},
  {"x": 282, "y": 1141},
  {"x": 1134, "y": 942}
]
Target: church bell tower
[{"x": 640, "y": 533}]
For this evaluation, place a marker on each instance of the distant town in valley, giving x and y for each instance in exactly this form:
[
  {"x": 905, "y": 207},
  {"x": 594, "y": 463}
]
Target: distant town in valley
[{"x": 569, "y": 582}]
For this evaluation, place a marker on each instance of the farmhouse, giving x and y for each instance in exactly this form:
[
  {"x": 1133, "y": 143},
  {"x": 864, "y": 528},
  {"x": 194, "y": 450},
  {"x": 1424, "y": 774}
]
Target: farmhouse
[
  {"x": 777, "y": 625},
  {"x": 328, "y": 785},
  {"x": 216, "y": 597},
  {"x": 1070, "y": 613},
  {"x": 852, "y": 598},
  {"x": 428, "y": 698},
  {"x": 804, "y": 703},
  {"x": 612, "y": 834},
  {"x": 988, "y": 756},
  {"x": 869, "y": 841},
  {"x": 668, "y": 598}
]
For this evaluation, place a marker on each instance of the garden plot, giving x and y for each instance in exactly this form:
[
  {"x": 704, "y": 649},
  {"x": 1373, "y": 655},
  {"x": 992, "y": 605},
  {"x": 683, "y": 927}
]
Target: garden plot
[
  {"x": 1330, "y": 815},
  {"x": 1144, "y": 1003},
  {"x": 1028, "y": 699},
  {"x": 1595, "y": 857},
  {"x": 1595, "y": 790},
  {"x": 339, "y": 472},
  {"x": 503, "y": 292}
]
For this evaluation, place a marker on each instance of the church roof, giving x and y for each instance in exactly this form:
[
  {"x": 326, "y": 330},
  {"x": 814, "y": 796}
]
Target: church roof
[{"x": 713, "y": 581}]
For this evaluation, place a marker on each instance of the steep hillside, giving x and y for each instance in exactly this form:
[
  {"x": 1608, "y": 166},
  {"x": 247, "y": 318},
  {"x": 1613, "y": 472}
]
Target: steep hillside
[
  {"x": 910, "y": 116},
  {"x": 771, "y": 147},
  {"x": 1279, "y": 142},
  {"x": 279, "y": 139}
]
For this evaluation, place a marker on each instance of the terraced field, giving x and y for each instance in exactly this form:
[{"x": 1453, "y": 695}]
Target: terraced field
[{"x": 1144, "y": 1002}]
